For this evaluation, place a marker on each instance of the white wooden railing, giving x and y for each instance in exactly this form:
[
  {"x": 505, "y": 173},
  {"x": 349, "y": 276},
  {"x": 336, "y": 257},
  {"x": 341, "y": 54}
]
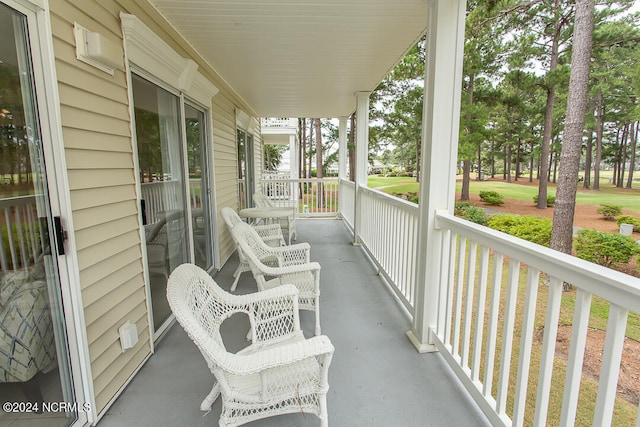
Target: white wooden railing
[
  {"x": 347, "y": 194},
  {"x": 312, "y": 197},
  {"x": 389, "y": 234},
  {"x": 500, "y": 302},
  {"x": 166, "y": 195},
  {"x": 482, "y": 332},
  {"x": 21, "y": 234}
]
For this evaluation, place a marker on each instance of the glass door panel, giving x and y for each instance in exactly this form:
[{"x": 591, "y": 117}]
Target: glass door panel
[
  {"x": 246, "y": 183},
  {"x": 163, "y": 203},
  {"x": 197, "y": 161},
  {"x": 34, "y": 351}
]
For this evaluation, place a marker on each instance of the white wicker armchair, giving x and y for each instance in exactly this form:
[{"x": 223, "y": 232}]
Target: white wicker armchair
[
  {"x": 292, "y": 266},
  {"x": 288, "y": 224},
  {"x": 271, "y": 234},
  {"x": 280, "y": 372}
]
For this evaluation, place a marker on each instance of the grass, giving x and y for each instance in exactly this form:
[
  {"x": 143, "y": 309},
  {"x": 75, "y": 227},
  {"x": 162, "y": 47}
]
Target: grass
[
  {"x": 629, "y": 199},
  {"x": 624, "y": 412}
]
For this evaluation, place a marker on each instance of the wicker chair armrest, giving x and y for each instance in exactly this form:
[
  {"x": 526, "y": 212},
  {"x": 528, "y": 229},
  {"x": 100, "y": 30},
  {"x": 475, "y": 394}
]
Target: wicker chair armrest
[
  {"x": 299, "y": 253},
  {"x": 274, "y": 241},
  {"x": 274, "y": 295},
  {"x": 313, "y": 267},
  {"x": 273, "y": 357},
  {"x": 268, "y": 230}
]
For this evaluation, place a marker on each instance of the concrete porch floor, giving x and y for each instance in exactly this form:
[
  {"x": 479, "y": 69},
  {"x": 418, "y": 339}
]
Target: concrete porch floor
[{"x": 376, "y": 377}]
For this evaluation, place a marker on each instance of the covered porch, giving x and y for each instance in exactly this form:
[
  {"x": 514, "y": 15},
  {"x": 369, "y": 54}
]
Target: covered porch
[{"x": 376, "y": 377}]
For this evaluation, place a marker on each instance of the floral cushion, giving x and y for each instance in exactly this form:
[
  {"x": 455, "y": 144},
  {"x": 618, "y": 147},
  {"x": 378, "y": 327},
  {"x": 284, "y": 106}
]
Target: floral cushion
[{"x": 26, "y": 331}]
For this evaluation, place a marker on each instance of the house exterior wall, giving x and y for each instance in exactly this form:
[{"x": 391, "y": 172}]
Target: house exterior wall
[{"x": 96, "y": 128}]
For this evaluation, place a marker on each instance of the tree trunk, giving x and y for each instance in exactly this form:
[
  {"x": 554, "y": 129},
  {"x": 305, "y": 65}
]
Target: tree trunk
[
  {"x": 507, "y": 160},
  {"x": 587, "y": 162},
  {"x": 320, "y": 200},
  {"x": 548, "y": 112},
  {"x": 493, "y": 160},
  {"x": 504, "y": 162},
  {"x": 562, "y": 230},
  {"x": 623, "y": 155},
  {"x": 303, "y": 149},
  {"x": 632, "y": 159},
  {"x": 479, "y": 176},
  {"x": 531, "y": 164},
  {"x": 466, "y": 177},
  {"x": 599, "y": 132}
]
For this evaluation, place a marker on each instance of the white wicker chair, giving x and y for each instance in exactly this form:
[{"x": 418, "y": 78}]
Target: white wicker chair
[
  {"x": 271, "y": 234},
  {"x": 280, "y": 372},
  {"x": 292, "y": 265},
  {"x": 288, "y": 224}
]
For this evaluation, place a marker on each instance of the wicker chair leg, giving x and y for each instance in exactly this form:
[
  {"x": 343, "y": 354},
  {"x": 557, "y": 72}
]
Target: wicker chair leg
[
  {"x": 324, "y": 416},
  {"x": 317, "y": 332},
  {"x": 211, "y": 397},
  {"x": 237, "y": 274}
]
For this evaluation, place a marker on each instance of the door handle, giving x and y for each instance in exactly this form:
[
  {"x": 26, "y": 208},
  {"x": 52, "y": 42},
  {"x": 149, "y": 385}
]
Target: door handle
[{"x": 61, "y": 234}]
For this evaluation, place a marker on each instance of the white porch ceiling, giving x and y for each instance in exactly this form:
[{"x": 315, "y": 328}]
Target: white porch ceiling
[{"x": 297, "y": 58}]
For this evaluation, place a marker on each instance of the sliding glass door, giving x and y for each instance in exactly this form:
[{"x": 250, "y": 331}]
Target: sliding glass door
[
  {"x": 35, "y": 356},
  {"x": 199, "y": 185},
  {"x": 162, "y": 182}
]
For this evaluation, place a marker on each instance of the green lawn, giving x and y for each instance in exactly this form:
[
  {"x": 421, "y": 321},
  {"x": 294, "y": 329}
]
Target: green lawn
[{"x": 522, "y": 190}]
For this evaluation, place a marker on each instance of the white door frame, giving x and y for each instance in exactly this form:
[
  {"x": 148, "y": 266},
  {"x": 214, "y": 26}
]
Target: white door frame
[{"x": 48, "y": 103}]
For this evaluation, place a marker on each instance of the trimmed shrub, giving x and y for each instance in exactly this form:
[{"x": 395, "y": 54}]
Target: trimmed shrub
[
  {"x": 610, "y": 212},
  {"x": 629, "y": 219},
  {"x": 468, "y": 211},
  {"x": 606, "y": 249},
  {"x": 551, "y": 199},
  {"x": 532, "y": 228},
  {"x": 491, "y": 198}
]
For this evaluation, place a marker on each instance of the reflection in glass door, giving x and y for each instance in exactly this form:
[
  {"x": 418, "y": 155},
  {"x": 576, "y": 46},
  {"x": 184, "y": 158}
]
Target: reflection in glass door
[
  {"x": 34, "y": 352},
  {"x": 199, "y": 189},
  {"x": 163, "y": 202},
  {"x": 246, "y": 185}
]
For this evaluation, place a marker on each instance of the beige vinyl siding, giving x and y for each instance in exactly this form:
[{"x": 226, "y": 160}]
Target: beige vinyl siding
[
  {"x": 96, "y": 128},
  {"x": 94, "y": 109},
  {"x": 225, "y": 166}
]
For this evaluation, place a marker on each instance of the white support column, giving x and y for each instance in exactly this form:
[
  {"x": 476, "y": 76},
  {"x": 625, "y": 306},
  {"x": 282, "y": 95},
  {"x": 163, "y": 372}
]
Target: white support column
[
  {"x": 294, "y": 169},
  {"x": 343, "y": 151},
  {"x": 441, "y": 121},
  {"x": 362, "y": 157},
  {"x": 293, "y": 157}
]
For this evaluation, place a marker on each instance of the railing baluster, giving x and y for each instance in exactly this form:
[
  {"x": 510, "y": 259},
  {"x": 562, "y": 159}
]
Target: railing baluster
[
  {"x": 611, "y": 357},
  {"x": 459, "y": 295},
  {"x": 492, "y": 329},
  {"x": 548, "y": 350},
  {"x": 468, "y": 303},
  {"x": 507, "y": 337},
  {"x": 576, "y": 357},
  {"x": 526, "y": 340},
  {"x": 480, "y": 310},
  {"x": 453, "y": 239}
]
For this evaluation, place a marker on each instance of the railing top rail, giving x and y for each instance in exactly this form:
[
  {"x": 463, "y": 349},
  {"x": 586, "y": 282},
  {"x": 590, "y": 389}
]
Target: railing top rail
[
  {"x": 17, "y": 201},
  {"x": 393, "y": 200},
  {"x": 618, "y": 288}
]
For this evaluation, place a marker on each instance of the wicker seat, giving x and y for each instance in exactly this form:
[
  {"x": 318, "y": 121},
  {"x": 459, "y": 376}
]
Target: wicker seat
[
  {"x": 288, "y": 224},
  {"x": 292, "y": 265},
  {"x": 280, "y": 372},
  {"x": 271, "y": 234}
]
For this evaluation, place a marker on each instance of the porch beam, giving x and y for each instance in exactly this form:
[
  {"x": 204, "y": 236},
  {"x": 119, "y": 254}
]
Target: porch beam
[
  {"x": 343, "y": 151},
  {"x": 441, "y": 118},
  {"x": 362, "y": 155}
]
